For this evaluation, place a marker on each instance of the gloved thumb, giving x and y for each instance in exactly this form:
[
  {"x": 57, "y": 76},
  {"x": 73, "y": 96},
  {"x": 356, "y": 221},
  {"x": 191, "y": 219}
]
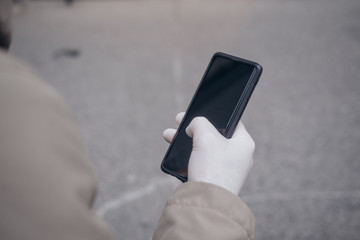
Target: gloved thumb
[{"x": 200, "y": 126}]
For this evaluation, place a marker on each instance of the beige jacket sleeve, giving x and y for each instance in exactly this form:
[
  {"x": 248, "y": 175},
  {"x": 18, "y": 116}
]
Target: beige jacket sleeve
[
  {"x": 204, "y": 211},
  {"x": 47, "y": 185}
]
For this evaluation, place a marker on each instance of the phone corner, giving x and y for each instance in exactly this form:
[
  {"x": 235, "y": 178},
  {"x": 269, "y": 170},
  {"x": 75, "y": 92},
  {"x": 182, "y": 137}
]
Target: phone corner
[{"x": 259, "y": 68}]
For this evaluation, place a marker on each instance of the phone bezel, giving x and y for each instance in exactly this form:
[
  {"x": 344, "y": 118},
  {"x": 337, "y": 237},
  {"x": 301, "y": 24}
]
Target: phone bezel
[{"x": 238, "y": 110}]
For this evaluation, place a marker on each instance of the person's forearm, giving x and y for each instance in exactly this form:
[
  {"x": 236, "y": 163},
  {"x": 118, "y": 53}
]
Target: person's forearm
[
  {"x": 205, "y": 211},
  {"x": 47, "y": 183}
]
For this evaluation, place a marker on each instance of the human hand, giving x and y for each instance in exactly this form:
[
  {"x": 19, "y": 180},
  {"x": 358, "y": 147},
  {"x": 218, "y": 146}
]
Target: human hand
[
  {"x": 214, "y": 158},
  {"x": 169, "y": 133}
]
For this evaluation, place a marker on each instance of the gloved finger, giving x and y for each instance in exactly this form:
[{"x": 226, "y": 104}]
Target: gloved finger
[
  {"x": 200, "y": 126},
  {"x": 179, "y": 117},
  {"x": 169, "y": 134}
]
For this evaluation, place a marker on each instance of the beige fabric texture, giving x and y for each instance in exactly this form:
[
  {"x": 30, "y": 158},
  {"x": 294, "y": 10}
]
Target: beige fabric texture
[
  {"x": 204, "y": 211},
  {"x": 47, "y": 185}
]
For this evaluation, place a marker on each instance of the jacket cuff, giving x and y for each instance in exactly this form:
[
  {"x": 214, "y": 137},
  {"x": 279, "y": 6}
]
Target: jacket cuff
[{"x": 210, "y": 196}]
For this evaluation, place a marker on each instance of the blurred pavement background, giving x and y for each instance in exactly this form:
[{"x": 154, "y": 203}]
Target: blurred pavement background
[{"x": 127, "y": 67}]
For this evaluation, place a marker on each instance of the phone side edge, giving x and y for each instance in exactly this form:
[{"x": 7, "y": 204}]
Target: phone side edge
[{"x": 238, "y": 112}]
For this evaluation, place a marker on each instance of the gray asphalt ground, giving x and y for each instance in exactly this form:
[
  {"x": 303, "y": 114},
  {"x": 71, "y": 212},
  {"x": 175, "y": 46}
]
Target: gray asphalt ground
[{"x": 127, "y": 67}]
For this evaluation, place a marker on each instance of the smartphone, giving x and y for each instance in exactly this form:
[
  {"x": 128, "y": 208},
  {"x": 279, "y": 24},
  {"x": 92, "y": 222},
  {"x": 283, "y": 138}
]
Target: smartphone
[{"x": 221, "y": 97}]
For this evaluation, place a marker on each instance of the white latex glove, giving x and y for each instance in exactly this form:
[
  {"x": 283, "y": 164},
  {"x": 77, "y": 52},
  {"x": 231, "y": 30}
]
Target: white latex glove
[{"x": 214, "y": 158}]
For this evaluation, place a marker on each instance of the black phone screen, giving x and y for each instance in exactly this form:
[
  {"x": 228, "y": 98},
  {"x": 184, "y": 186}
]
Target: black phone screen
[{"x": 217, "y": 97}]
